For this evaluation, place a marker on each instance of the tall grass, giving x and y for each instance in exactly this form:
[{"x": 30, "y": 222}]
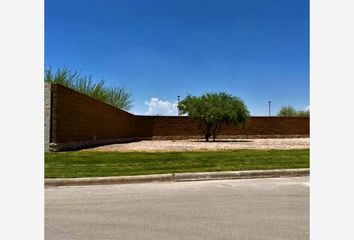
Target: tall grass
[{"x": 116, "y": 96}]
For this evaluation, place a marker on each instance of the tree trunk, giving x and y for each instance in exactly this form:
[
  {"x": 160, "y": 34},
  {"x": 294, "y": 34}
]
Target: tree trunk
[
  {"x": 216, "y": 129},
  {"x": 214, "y": 134},
  {"x": 207, "y": 132}
]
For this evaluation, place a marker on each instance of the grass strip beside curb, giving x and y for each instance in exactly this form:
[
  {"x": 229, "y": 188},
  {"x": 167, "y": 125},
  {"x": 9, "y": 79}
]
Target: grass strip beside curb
[
  {"x": 178, "y": 177},
  {"x": 105, "y": 164}
]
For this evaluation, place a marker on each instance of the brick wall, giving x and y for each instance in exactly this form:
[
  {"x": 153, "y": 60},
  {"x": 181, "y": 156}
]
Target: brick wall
[
  {"x": 79, "y": 121},
  {"x": 268, "y": 126}
]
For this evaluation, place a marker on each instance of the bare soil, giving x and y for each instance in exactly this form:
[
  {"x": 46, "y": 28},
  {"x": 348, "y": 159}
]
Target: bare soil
[{"x": 201, "y": 145}]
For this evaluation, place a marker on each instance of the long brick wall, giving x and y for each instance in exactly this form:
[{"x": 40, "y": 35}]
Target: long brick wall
[
  {"x": 256, "y": 126},
  {"x": 79, "y": 121}
]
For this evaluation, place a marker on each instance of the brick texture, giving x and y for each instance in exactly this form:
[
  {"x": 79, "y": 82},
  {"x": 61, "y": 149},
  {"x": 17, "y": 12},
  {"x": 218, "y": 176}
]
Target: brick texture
[
  {"x": 77, "y": 117},
  {"x": 172, "y": 126}
]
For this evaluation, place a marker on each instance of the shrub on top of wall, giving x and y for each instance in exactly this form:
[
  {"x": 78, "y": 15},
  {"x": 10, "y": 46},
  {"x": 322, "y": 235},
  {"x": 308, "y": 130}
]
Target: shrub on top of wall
[
  {"x": 116, "y": 96},
  {"x": 290, "y": 111}
]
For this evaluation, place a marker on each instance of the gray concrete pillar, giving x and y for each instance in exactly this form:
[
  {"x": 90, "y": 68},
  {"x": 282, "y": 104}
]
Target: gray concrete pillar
[{"x": 47, "y": 115}]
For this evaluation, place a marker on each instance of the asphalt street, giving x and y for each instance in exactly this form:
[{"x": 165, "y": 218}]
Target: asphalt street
[{"x": 274, "y": 209}]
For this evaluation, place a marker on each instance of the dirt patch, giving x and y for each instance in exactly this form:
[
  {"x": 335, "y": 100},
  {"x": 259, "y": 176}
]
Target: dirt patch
[{"x": 199, "y": 145}]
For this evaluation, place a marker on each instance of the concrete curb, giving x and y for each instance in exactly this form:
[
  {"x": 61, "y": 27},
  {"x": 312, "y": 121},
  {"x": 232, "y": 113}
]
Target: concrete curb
[
  {"x": 241, "y": 174},
  {"x": 177, "y": 177}
]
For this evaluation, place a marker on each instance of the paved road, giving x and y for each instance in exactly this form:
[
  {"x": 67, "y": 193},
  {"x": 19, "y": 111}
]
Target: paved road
[{"x": 231, "y": 209}]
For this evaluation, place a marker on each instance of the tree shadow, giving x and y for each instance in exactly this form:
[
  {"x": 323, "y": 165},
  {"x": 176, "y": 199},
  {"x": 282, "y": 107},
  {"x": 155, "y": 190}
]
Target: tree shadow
[{"x": 223, "y": 141}]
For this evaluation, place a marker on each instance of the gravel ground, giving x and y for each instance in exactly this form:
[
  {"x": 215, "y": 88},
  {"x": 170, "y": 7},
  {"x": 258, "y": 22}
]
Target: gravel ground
[{"x": 200, "y": 145}]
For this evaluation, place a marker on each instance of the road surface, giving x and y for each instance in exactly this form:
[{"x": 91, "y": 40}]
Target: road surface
[{"x": 252, "y": 209}]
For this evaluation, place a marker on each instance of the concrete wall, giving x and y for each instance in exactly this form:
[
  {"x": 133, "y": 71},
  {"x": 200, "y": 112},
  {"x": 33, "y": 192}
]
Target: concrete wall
[
  {"x": 79, "y": 121},
  {"x": 47, "y": 116}
]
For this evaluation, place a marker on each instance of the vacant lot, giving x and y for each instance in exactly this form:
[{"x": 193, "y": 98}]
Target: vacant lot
[
  {"x": 200, "y": 145},
  {"x": 101, "y": 164}
]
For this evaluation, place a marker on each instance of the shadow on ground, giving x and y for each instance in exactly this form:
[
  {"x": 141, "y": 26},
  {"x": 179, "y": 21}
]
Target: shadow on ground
[{"x": 218, "y": 141}]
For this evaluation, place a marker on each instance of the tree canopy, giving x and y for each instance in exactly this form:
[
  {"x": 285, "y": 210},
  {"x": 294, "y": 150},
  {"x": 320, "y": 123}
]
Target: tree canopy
[
  {"x": 290, "y": 111},
  {"x": 116, "y": 96},
  {"x": 212, "y": 110}
]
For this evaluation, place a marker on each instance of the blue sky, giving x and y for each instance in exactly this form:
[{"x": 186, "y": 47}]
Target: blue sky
[{"x": 158, "y": 49}]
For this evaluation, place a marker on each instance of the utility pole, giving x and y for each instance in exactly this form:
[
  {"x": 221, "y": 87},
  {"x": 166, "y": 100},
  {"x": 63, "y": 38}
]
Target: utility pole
[
  {"x": 269, "y": 102},
  {"x": 177, "y": 105}
]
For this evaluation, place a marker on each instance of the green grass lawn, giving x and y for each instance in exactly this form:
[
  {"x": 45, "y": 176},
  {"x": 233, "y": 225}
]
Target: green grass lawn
[{"x": 100, "y": 164}]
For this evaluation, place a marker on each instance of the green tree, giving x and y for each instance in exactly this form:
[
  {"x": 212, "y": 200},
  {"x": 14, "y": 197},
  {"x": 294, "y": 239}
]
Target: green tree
[
  {"x": 212, "y": 110},
  {"x": 116, "y": 96},
  {"x": 290, "y": 111},
  {"x": 303, "y": 113},
  {"x": 287, "y": 111}
]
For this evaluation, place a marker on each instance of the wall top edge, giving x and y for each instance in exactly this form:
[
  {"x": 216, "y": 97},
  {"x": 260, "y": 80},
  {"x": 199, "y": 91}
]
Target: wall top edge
[
  {"x": 70, "y": 89},
  {"x": 250, "y": 117},
  {"x": 149, "y": 116}
]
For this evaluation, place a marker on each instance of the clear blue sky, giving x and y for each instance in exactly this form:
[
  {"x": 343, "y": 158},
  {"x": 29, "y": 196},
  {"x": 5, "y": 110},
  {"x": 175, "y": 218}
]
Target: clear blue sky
[{"x": 255, "y": 49}]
